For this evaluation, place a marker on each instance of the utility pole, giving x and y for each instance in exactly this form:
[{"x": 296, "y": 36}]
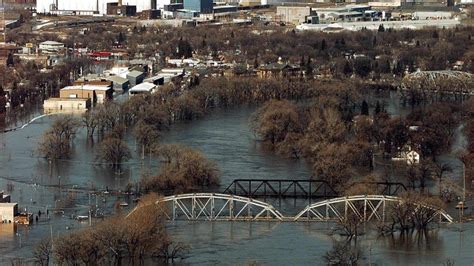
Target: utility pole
[{"x": 463, "y": 189}]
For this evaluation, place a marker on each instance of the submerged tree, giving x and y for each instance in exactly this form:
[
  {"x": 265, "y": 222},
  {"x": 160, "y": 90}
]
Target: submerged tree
[
  {"x": 275, "y": 120},
  {"x": 183, "y": 169},
  {"x": 56, "y": 142},
  {"x": 113, "y": 151},
  {"x": 343, "y": 253}
]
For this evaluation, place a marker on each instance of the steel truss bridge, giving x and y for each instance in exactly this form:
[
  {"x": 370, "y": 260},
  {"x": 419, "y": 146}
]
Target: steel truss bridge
[
  {"x": 312, "y": 188},
  {"x": 365, "y": 208},
  {"x": 225, "y": 207}
]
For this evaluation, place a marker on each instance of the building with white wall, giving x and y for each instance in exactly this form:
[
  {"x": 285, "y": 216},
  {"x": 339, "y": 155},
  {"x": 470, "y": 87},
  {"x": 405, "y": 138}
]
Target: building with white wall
[
  {"x": 8, "y": 211},
  {"x": 89, "y": 7}
]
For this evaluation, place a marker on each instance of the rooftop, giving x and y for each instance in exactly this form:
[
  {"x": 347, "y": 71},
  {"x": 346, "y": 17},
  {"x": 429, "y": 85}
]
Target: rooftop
[
  {"x": 135, "y": 73},
  {"x": 143, "y": 87},
  {"x": 117, "y": 79},
  {"x": 51, "y": 43},
  {"x": 7, "y": 204},
  {"x": 88, "y": 87},
  {"x": 67, "y": 99}
]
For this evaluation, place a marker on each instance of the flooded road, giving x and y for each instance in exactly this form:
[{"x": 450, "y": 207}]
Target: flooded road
[{"x": 223, "y": 136}]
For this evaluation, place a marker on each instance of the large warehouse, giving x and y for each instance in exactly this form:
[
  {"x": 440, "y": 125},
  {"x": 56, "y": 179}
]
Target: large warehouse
[{"x": 89, "y": 7}]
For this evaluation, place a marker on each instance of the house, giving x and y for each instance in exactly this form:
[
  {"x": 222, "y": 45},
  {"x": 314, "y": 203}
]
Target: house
[
  {"x": 142, "y": 88},
  {"x": 408, "y": 155},
  {"x": 8, "y": 211},
  {"x": 278, "y": 70},
  {"x": 119, "y": 83},
  {"x": 135, "y": 77},
  {"x": 99, "y": 93},
  {"x": 66, "y": 105},
  {"x": 412, "y": 157}
]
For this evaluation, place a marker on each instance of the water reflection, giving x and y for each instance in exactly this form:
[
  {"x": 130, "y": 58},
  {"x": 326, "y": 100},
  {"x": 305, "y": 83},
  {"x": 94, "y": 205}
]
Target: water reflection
[{"x": 415, "y": 241}]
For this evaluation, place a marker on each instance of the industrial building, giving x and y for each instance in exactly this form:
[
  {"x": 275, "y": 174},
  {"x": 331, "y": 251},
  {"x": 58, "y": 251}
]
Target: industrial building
[
  {"x": 201, "y": 6},
  {"x": 66, "y": 105},
  {"x": 119, "y": 83},
  {"x": 97, "y": 93},
  {"x": 90, "y": 7},
  {"x": 8, "y": 211},
  {"x": 135, "y": 77},
  {"x": 293, "y": 14}
]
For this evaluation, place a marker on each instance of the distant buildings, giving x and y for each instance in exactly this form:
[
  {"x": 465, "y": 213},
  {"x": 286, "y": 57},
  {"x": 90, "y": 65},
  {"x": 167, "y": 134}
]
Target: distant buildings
[{"x": 90, "y": 7}]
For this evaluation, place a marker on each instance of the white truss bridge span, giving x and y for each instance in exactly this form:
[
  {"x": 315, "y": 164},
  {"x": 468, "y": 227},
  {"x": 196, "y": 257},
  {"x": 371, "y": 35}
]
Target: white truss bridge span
[
  {"x": 366, "y": 208},
  {"x": 224, "y": 207}
]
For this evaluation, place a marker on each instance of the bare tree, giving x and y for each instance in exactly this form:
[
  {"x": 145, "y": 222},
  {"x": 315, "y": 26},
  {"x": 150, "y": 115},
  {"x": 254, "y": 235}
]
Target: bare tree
[
  {"x": 114, "y": 152},
  {"x": 146, "y": 136},
  {"x": 57, "y": 141},
  {"x": 275, "y": 120},
  {"x": 90, "y": 122},
  {"x": 43, "y": 252},
  {"x": 439, "y": 170},
  {"x": 343, "y": 253}
]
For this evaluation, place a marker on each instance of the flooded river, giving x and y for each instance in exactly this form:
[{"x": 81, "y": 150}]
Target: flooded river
[{"x": 223, "y": 136}]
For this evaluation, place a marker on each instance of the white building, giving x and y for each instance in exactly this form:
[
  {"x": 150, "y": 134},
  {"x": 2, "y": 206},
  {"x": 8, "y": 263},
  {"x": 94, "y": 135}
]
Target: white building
[
  {"x": 8, "y": 211},
  {"x": 51, "y": 47},
  {"x": 69, "y": 105},
  {"x": 89, "y": 7},
  {"x": 142, "y": 88},
  {"x": 412, "y": 157}
]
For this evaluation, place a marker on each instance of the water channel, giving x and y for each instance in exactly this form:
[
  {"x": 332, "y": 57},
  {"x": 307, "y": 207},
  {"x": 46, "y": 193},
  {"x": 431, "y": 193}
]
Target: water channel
[{"x": 223, "y": 136}]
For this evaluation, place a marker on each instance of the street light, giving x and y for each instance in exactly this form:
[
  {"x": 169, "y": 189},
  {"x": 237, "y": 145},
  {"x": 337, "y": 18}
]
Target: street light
[{"x": 461, "y": 204}]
